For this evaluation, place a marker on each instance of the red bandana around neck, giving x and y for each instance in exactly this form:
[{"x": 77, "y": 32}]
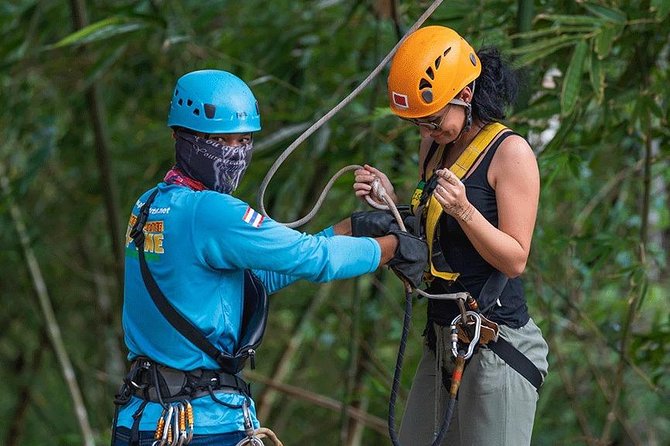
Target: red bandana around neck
[{"x": 176, "y": 176}]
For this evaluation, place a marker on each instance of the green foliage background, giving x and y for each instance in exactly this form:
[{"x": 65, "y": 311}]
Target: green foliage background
[{"x": 85, "y": 90}]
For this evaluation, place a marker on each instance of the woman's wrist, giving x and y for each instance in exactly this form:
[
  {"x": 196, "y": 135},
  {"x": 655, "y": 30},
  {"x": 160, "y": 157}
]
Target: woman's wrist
[{"x": 463, "y": 212}]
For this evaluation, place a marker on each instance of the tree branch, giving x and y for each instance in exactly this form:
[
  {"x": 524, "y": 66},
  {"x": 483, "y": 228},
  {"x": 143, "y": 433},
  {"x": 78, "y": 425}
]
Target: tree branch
[
  {"x": 373, "y": 422},
  {"x": 107, "y": 184}
]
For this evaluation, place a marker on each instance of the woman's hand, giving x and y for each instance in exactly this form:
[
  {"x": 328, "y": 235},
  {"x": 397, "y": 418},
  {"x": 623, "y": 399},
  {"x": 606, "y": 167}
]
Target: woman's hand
[
  {"x": 450, "y": 193},
  {"x": 363, "y": 184}
]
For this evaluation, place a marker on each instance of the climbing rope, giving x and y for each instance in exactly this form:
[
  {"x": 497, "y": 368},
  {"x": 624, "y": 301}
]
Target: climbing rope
[
  {"x": 460, "y": 298},
  {"x": 306, "y": 134}
]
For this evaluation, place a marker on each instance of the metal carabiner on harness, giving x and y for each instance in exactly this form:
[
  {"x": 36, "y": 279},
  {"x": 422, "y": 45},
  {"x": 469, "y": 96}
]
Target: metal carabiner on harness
[
  {"x": 251, "y": 439},
  {"x": 474, "y": 339}
]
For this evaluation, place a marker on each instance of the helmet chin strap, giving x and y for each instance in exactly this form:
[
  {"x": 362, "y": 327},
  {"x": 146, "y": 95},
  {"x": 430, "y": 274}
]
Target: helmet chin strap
[
  {"x": 468, "y": 117},
  {"x": 468, "y": 112}
]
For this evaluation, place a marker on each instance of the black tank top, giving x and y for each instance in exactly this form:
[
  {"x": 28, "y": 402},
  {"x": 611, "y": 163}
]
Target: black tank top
[{"x": 464, "y": 258}]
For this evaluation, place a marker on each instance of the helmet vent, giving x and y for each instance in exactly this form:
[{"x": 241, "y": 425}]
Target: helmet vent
[
  {"x": 180, "y": 102},
  {"x": 446, "y": 52},
  {"x": 427, "y": 95},
  {"x": 210, "y": 110},
  {"x": 437, "y": 62},
  {"x": 430, "y": 73},
  {"x": 196, "y": 111},
  {"x": 189, "y": 102}
]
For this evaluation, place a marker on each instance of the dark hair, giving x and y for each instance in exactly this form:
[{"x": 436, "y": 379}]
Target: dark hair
[{"x": 495, "y": 88}]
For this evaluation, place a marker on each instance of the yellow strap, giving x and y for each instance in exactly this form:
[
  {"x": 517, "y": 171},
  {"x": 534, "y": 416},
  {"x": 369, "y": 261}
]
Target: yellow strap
[{"x": 460, "y": 168}]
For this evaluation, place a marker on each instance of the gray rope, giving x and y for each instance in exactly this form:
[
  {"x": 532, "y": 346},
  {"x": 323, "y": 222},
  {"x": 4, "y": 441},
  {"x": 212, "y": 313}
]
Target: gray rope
[{"x": 306, "y": 134}]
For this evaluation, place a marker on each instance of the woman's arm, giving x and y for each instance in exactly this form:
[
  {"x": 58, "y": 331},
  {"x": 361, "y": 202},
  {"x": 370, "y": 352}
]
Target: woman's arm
[{"x": 514, "y": 176}]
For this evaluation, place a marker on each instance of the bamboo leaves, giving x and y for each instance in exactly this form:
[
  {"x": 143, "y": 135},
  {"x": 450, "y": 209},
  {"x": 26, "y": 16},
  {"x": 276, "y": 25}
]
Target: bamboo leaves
[
  {"x": 105, "y": 29},
  {"x": 661, "y": 8},
  {"x": 597, "y": 77},
  {"x": 573, "y": 79},
  {"x": 609, "y": 14},
  {"x": 605, "y": 39},
  {"x": 596, "y": 31}
]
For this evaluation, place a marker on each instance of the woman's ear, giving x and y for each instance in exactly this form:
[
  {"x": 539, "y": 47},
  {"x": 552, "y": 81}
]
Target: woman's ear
[{"x": 466, "y": 94}]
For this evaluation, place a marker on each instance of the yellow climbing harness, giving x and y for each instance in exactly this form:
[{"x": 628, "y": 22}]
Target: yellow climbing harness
[{"x": 433, "y": 210}]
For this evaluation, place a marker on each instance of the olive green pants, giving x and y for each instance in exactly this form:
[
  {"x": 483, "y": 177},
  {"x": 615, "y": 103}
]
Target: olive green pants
[{"x": 495, "y": 406}]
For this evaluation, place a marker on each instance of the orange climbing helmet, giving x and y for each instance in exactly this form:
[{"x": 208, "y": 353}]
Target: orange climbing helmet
[{"x": 429, "y": 69}]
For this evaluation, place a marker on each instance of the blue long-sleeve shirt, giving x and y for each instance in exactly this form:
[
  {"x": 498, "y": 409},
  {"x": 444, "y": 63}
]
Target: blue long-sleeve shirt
[{"x": 197, "y": 246}]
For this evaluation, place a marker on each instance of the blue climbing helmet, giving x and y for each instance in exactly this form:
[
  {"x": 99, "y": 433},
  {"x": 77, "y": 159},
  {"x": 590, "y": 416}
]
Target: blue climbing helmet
[{"x": 214, "y": 101}]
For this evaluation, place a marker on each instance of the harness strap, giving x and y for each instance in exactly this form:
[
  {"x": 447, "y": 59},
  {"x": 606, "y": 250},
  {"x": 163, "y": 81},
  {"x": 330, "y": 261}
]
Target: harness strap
[
  {"x": 135, "y": 429},
  {"x": 166, "y": 309},
  {"x": 517, "y": 360},
  {"x": 434, "y": 208},
  {"x": 155, "y": 382},
  {"x": 491, "y": 291},
  {"x": 488, "y": 297}
]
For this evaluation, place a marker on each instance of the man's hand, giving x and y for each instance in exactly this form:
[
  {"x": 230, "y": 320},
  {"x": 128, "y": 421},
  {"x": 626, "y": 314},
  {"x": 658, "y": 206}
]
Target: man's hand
[
  {"x": 410, "y": 259},
  {"x": 379, "y": 223},
  {"x": 372, "y": 223}
]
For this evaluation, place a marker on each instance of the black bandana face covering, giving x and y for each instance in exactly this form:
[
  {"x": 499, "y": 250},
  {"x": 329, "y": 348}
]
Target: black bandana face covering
[{"x": 219, "y": 167}]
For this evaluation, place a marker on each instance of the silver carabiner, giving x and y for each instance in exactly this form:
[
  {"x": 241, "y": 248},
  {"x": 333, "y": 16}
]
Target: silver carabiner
[
  {"x": 475, "y": 337},
  {"x": 166, "y": 426},
  {"x": 251, "y": 439},
  {"x": 180, "y": 435},
  {"x": 190, "y": 421},
  {"x": 175, "y": 427}
]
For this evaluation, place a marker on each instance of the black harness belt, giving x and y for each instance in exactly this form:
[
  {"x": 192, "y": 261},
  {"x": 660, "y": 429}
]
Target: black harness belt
[
  {"x": 157, "y": 383},
  {"x": 517, "y": 360}
]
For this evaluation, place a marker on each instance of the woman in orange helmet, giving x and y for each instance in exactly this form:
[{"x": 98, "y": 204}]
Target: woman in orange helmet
[{"x": 483, "y": 229}]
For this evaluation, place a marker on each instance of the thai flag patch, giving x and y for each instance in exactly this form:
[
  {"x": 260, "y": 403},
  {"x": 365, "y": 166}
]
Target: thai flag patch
[
  {"x": 253, "y": 218},
  {"x": 400, "y": 100}
]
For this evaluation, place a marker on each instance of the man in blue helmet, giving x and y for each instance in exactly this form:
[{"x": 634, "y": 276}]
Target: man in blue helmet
[{"x": 198, "y": 257}]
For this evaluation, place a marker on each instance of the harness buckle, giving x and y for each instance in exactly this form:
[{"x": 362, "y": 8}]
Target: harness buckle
[{"x": 141, "y": 366}]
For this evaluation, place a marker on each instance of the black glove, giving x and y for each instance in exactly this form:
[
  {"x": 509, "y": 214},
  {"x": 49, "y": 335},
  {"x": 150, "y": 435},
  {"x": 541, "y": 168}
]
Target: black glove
[
  {"x": 372, "y": 223},
  {"x": 410, "y": 258},
  {"x": 380, "y": 223}
]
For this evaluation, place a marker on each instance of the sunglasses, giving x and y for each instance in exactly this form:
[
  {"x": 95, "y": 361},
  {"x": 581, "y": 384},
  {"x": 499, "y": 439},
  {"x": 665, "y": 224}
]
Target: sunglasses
[
  {"x": 430, "y": 123},
  {"x": 435, "y": 122}
]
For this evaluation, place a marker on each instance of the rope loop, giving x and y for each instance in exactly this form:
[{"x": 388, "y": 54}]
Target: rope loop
[{"x": 307, "y": 133}]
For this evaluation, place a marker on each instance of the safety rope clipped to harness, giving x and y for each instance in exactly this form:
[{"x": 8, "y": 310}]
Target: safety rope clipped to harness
[{"x": 460, "y": 355}]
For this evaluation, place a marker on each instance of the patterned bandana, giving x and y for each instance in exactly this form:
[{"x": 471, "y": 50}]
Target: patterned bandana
[{"x": 219, "y": 167}]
